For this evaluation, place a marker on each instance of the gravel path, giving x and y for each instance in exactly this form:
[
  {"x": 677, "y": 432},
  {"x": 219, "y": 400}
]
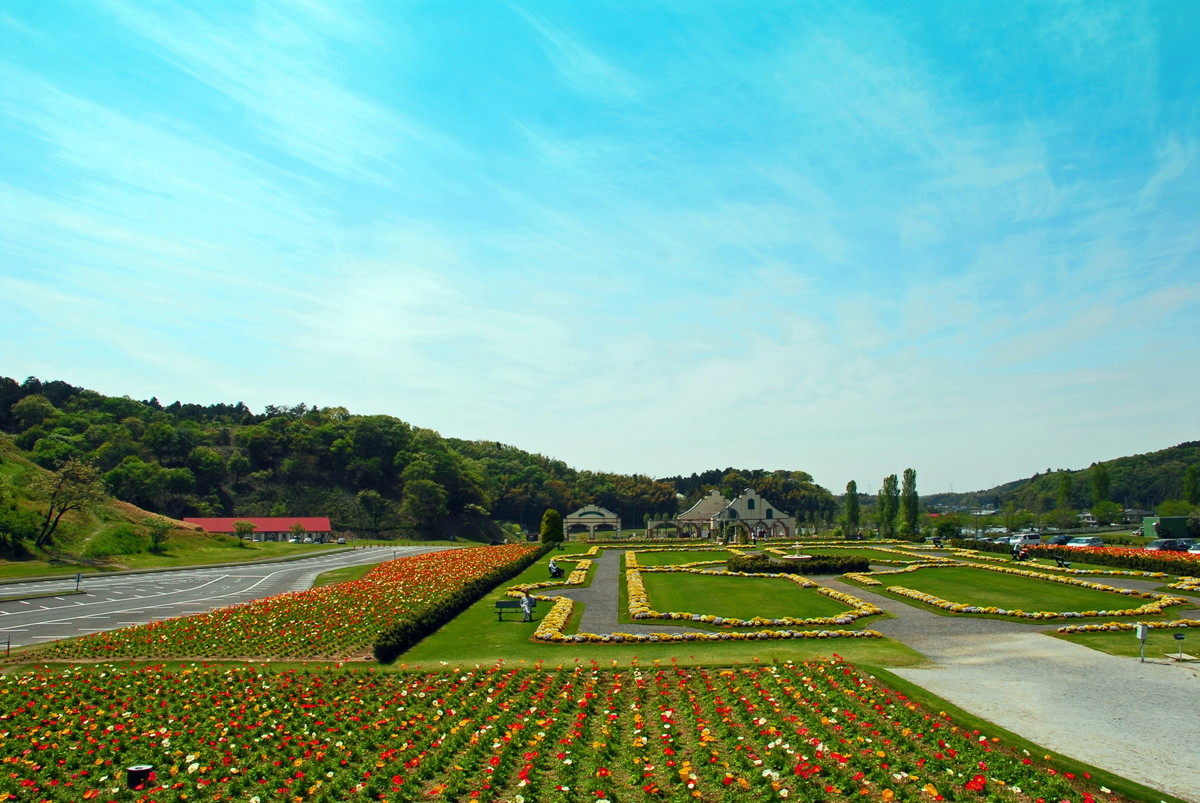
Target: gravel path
[{"x": 1138, "y": 720}]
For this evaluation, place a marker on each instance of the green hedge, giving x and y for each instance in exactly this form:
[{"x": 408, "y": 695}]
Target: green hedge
[
  {"x": 394, "y": 641},
  {"x": 818, "y": 565}
]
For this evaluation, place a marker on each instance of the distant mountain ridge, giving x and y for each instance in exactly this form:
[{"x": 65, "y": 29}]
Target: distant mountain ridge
[
  {"x": 1140, "y": 481},
  {"x": 376, "y": 473}
]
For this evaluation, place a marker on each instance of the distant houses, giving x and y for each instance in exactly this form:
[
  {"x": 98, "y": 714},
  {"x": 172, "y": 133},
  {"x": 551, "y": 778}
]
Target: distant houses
[{"x": 271, "y": 528}]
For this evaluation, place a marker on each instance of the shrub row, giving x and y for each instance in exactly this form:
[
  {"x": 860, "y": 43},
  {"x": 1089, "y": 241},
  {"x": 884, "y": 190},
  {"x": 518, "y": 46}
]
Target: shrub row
[
  {"x": 404, "y": 634},
  {"x": 819, "y": 565}
]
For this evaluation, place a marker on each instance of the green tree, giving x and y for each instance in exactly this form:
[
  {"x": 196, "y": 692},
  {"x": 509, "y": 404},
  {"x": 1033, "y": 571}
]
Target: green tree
[
  {"x": 75, "y": 485},
  {"x": 1101, "y": 483},
  {"x": 375, "y": 512},
  {"x": 909, "y": 503},
  {"x": 238, "y": 466},
  {"x": 888, "y": 505},
  {"x": 158, "y": 528},
  {"x": 1106, "y": 512},
  {"x": 297, "y": 530},
  {"x": 424, "y": 503},
  {"x": 948, "y": 526},
  {"x": 1063, "y": 492},
  {"x": 552, "y": 527},
  {"x": 1173, "y": 507},
  {"x": 853, "y": 508},
  {"x": 244, "y": 530},
  {"x": 1191, "y": 486},
  {"x": 33, "y": 411}
]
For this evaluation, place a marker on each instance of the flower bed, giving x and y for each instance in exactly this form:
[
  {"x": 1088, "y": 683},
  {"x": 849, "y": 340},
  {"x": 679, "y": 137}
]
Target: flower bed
[
  {"x": 812, "y": 731},
  {"x": 1116, "y": 627},
  {"x": 332, "y": 622},
  {"x": 1125, "y": 557}
]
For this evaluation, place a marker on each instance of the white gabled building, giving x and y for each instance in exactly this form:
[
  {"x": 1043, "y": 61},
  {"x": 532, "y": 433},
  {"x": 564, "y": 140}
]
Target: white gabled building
[{"x": 755, "y": 517}]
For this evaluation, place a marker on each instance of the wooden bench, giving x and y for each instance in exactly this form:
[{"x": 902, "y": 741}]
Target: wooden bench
[
  {"x": 1062, "y": 564},
  {"x": 503, "y": 605}
]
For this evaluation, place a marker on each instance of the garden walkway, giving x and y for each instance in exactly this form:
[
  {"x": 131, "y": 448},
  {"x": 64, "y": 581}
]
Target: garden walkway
[{"x": 1138, "y": 720}]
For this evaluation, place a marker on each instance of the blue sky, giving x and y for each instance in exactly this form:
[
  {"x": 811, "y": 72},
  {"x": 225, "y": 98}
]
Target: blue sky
[{"x": 655, "y": 238}]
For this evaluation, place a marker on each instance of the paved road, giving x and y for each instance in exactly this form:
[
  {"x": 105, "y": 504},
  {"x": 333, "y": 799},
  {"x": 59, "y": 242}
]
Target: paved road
[{"x": 113, "y": 601}]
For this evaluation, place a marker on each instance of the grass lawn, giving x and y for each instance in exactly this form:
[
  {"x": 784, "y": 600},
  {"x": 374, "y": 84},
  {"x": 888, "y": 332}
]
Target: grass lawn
[
  {"x": 740, "y": 597},
  {"x": 674, "y": 558},
  {"x": 1013, "y": 592},
  {"x": 1159, "y": 643}
]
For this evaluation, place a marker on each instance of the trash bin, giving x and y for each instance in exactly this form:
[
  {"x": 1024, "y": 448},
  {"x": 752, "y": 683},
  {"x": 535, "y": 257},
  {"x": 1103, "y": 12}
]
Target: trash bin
[{"x": 138, "y": 775}]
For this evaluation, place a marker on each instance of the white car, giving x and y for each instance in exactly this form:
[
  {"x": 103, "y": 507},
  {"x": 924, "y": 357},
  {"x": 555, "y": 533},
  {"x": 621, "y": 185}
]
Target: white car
[
  {"x": 1195, "y": 550},
  {"x": 1025, "y": 539},
  {"x": 1085, "y": 540}
]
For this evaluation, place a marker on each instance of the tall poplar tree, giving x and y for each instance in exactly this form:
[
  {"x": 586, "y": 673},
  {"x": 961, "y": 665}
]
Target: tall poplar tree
[
  {"x": 909, "y": 502},
  {"x": 853, "y": 509},
  {"x": 1191, "y": 488},
  {"x": 888, "y": 506},
  {"x": 1101, "y": 483}
]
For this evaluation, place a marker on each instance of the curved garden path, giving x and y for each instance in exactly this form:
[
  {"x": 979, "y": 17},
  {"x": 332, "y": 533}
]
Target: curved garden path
[{"x": 1138, "y": 720}]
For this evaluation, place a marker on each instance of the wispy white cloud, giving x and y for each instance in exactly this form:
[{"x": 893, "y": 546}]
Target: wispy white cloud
[
  {"x": 584, "y": 68},
  {"x": 286, "y": 77}
]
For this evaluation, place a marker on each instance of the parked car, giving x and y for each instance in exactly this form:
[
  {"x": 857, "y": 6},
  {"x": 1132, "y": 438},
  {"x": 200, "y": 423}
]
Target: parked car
[
  {"x": 1138, "y": 531},
  {"x": 1168, "y": 545},
  {"x": 1059, "y": 540},
  {"x": 1025, "y": 539},
  {"x": 341, "y": 540},
  {"x": 1084, "y": 540},
  {"x": 1195, "y": 550}
]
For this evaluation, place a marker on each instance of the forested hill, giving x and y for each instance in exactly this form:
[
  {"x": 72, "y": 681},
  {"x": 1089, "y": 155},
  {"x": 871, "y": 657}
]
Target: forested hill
[
  {"x": 1140, "y": 481},
  {"x": 372, "y": 473}
]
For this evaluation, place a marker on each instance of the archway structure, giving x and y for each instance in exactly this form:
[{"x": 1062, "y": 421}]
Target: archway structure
[{"x": 591, "y": 517}]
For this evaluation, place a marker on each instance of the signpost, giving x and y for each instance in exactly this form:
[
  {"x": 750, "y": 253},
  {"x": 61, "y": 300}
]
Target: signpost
[
  {"x": 1179, "y": 638},
  {"x": 1142, "y": 630}
]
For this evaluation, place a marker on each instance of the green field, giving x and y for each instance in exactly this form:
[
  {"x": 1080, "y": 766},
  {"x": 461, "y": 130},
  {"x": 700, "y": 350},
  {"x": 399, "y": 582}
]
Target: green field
[
  {"x": 1159, "y": 643},
  {"x": 739, "y": 597},
  {"x": 1012, "y": 592}
]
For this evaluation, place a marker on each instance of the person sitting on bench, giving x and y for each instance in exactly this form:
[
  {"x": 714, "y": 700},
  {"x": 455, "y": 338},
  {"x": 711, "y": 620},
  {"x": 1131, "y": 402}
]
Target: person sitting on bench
[
  {"x": 555, "y": 569},
  {"x": 527, "y": 603}
]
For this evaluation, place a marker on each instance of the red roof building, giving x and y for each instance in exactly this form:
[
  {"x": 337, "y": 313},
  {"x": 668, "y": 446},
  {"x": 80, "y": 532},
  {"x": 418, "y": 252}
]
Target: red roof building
[{"x": 269, "y": 528}]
